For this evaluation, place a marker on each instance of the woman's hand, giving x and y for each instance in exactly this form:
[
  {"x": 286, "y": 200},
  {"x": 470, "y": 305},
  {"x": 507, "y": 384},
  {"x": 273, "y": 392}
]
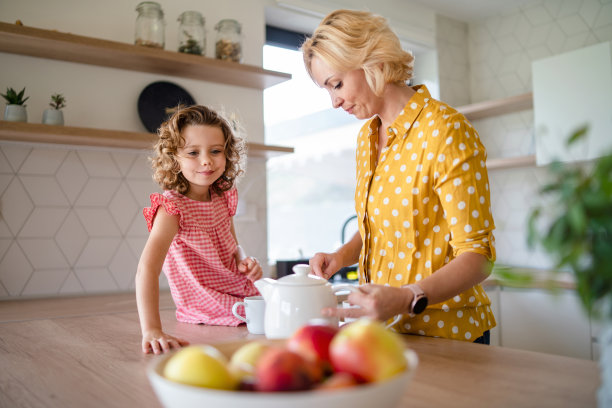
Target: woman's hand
[
  {"x": 375, "y": 301},
  {"x": 157, "y": 342},
  {"x": 325, "y": 265},
  {"x": 250, "y": 267}
]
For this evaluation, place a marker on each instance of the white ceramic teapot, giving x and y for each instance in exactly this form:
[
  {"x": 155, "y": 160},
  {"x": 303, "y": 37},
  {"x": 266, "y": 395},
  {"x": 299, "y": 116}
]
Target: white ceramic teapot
[{"x": 294, "y": 300}]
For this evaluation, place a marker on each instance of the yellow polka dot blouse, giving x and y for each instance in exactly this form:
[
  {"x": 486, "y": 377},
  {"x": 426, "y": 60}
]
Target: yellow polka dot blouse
[{"x": 425, "y": 202}]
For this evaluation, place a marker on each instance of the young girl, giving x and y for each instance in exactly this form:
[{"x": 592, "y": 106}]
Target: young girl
[{"x": 197, "y": 161}]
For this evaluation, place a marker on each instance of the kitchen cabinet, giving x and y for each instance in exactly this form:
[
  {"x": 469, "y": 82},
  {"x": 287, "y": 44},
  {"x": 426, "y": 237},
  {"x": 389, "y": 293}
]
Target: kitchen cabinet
[
  {"x": 560, "y": 110},
  {"x": 55, "y": 45},
  {"x": 544, "y": 321},
  {"x": 496, "y": 107}
]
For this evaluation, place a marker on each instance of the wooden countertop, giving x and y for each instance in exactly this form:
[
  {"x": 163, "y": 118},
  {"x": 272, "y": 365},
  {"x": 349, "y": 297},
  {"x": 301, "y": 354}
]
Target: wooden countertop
[{"x": 85, "y": 352}]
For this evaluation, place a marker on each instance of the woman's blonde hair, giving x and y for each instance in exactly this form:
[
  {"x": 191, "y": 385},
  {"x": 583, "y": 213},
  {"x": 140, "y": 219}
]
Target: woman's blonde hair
[
  {"x": 348, "y": 39},
  {"x": 165, "y": 164}
]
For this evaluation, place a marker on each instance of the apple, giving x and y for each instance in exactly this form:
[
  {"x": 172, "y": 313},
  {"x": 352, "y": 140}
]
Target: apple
[
  {"x": 202, "y": 366},
  {"x": 280, "y": 369},
  {"x": 312, "y": 342},
  {"x": 244, "y": 360},
  {"x": 368, "y": 351},
  {"x": 337, "y": 381}
]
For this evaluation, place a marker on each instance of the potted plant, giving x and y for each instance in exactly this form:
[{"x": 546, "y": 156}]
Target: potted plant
[
  {"x": 578, "y": 235},
  {"x": 15, "y": 105},
  {"x": 53, "y": 115}
]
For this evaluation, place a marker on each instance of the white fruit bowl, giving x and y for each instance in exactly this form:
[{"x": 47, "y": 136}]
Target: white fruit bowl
[{"x": 384, "y": 394}]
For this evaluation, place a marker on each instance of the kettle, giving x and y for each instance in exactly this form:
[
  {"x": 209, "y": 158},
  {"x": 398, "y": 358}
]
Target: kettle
[{"x": 295, "y": 300}]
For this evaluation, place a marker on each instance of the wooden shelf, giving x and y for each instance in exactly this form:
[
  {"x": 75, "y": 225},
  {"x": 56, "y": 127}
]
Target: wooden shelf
[
  {"x": 496, "y": 107},
  {"x": 509, "y": 162},
  {"x": 56, "y": 45},
  {"x": 67, "y": 135}
]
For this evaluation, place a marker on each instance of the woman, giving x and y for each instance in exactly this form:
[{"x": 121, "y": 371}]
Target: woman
[{"x": 425, "y": 237}]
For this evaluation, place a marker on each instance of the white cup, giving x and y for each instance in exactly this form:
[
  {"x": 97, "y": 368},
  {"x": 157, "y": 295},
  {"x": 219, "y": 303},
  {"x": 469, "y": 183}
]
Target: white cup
[{"x": 254, "y": 309}]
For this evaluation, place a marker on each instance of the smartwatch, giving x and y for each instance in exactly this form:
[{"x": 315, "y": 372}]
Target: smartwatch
[{"x": 419, "y": 301}]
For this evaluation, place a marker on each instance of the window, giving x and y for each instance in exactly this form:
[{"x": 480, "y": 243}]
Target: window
[{"x": 310, "y": 192}]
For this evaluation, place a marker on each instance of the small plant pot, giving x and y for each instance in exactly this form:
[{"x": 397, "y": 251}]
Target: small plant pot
[
  {"x": 53, "y": 117},
  {"x": 15, "y": 113}
]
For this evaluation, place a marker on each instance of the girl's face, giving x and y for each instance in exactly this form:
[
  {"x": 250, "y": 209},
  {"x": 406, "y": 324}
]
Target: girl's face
[
  {"x": 202, "y": 159},
  {"x": 348, "y": 90}
]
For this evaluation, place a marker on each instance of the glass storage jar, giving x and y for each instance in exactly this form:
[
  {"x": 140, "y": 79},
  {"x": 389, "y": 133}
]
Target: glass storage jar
[
  {"x": 150, "y": 25},
  {"x": 228, "y": 43},
  {"x": 191, "y": 36}
]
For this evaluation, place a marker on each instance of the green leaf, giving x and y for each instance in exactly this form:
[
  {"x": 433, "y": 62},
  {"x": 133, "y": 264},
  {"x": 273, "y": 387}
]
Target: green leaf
[{"x": 578, "y": 134}]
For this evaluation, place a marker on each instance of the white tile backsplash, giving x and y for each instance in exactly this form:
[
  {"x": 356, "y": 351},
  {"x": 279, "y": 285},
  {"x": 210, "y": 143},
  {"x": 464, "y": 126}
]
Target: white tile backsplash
[
  {"x": 43, "y": 161},
  {"x": 98, "y": 163},
  {"x": 42, "y": 281},
  {"x": 43, "y": 253},
  {"x": 43, "y": 222},
  {"x": 71, "y": 176},
  {"x": 123, "y": 266},
  {"x": 71, "y": 237},
  {"x": 98, "y": 192},
  {"x": 44, "y": 190},
  {"x": 95, "y": 280},
  {"x": 98, "y": 252},
  {"x": 15, "y": 205},
  {"x": 15, "y": 270},
  {"x": 15, "y": 154},
  {"x": 97, "y": 222}
]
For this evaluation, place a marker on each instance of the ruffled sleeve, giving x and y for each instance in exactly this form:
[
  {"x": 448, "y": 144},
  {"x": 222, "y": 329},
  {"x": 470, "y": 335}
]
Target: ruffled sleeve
[
  {"x": 157, "y": 200},
  {"x": 231, "y": 198}
]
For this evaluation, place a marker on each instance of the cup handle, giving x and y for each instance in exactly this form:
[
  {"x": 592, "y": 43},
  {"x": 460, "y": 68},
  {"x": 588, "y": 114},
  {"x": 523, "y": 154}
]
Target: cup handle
[
  {"x": 395, "y": 320},
  {"x": 235, "y": 311}
]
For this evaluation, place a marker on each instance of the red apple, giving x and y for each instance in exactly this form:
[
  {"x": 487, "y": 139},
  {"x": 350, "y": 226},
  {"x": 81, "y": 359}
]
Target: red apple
[
  {"x": 312, "y": 342},
  {"x": 368, "y": 351},
  {"x": 280, "y": 369},
  {"x": 338, "y": 380}
]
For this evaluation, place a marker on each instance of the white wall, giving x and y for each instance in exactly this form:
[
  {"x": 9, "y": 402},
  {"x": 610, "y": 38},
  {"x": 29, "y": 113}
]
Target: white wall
[{"x": 71, "y": 218}]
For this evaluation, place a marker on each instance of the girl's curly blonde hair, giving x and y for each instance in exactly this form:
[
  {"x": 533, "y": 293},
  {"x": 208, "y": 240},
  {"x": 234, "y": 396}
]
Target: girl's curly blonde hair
[{"x": 165, "y": 164}]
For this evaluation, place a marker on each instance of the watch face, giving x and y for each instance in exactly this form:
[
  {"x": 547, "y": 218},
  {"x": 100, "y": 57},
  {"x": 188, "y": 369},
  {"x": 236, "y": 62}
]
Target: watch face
[{"x": 420, "y": 305}]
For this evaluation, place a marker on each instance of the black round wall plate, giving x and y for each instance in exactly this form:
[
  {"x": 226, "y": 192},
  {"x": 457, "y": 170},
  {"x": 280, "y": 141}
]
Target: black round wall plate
[{"x": 157, "y": 102}]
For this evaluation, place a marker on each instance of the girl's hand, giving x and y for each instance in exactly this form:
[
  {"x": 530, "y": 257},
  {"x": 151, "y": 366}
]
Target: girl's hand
[
  {"x": 157, "y": 342},
  {"x": 250, "y": 267}
]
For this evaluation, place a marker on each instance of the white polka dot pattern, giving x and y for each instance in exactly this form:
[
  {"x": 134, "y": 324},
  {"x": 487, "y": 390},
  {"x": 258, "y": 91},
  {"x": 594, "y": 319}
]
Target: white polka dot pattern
[
  {"x": 400, "y": 199},
  {"x": 200, "y": 265}
]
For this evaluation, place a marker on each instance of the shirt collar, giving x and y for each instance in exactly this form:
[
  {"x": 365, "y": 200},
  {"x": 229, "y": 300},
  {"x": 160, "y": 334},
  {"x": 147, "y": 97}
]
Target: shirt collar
[{"x": 408, "y": 115}]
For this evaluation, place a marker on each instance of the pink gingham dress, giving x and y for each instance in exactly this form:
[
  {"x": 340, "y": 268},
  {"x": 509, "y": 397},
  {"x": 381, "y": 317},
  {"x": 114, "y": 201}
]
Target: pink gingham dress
[{"x": 200, "y": 265}]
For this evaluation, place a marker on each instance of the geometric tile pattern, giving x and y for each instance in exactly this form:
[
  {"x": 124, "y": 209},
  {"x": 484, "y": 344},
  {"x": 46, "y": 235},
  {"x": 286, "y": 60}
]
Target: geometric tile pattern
[
  {"x": 71, "y": 218},
  {"x": 501, "y": 50},
  {"x": 66, "y": 216}
]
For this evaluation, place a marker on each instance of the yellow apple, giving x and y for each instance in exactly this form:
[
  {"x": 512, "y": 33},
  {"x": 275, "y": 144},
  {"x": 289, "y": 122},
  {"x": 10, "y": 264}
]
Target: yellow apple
[
  {"x": 202, "y": 366},
  {"x": 244, "y": 360},
  {"x": 368, "y": 351}
]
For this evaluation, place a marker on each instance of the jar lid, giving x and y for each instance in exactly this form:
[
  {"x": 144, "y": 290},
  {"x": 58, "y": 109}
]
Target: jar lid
[
  {"x": 229, "y": 23},
  {"x": 191, "y": 15},
  {"x": 302, "y": 277},
  {"x": 145, "y": 4}
]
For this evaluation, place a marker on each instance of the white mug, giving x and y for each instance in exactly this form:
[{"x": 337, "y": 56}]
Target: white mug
[{"x": 254, "y": 309}]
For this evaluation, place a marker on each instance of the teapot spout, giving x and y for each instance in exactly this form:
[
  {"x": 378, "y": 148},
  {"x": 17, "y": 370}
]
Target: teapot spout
[{"x": 264, "y": 286}]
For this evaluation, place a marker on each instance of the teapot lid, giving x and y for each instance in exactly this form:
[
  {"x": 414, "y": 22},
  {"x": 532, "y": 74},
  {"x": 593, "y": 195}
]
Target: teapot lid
[{"x": 301, "y": 277}]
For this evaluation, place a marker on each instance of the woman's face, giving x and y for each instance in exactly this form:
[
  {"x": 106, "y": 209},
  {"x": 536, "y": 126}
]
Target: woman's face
[
  {"x": 202, "y": 159},
  {"x": 348, "y": 90}
]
